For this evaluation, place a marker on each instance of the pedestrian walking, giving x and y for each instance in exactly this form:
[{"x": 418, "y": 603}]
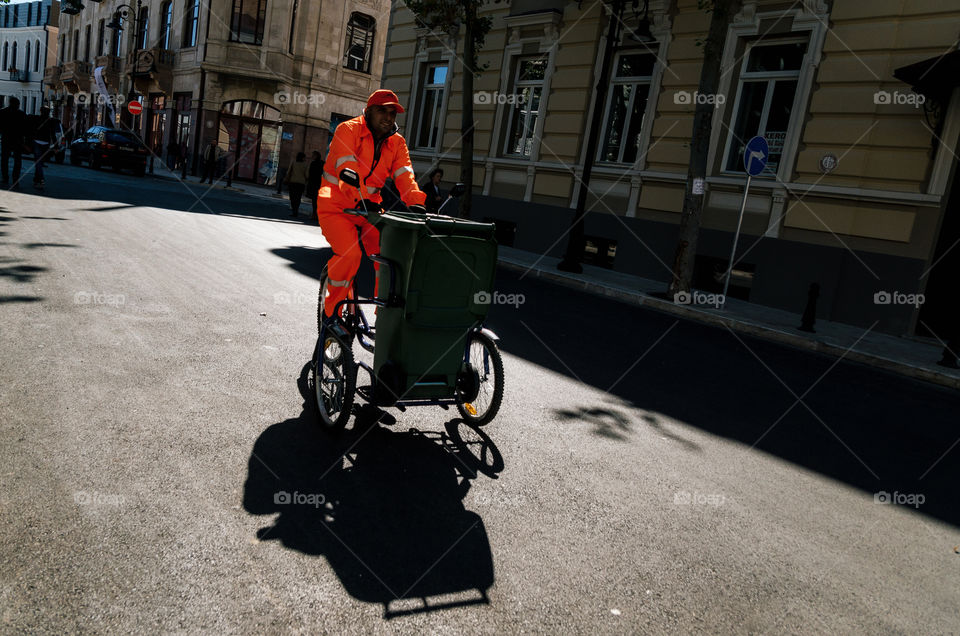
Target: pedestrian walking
[
  {"x": 314, "y": 179},
  {"x": 173, "y": 154},
  {"x": 296, "y": 181},
  {"x": 211, "y": 158},
  {"x": 12, "y": 125},
  {"x": 44, "y": 138},
  {"x": 434, "y": 195}
]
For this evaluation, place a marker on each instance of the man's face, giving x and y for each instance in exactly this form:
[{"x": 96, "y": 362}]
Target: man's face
[{"x": 382, "y": 118}]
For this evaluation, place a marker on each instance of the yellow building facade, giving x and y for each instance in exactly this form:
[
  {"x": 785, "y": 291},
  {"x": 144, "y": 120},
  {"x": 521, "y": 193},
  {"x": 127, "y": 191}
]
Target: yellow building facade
[{"x": 856, "y": 196}]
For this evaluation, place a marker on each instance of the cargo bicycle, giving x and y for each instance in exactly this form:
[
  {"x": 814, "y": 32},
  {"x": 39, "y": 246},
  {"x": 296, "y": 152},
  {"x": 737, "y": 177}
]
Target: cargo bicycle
[{"x": 429, "y": 343}]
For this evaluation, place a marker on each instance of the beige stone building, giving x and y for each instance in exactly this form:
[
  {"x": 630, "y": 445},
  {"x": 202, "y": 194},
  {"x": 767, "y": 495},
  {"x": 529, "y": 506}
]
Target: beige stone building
[
  {"x": 265, "y": 79},
  {"x": 856, "y": 196}
]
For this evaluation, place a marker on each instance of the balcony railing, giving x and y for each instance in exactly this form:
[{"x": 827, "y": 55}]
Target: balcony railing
[
  {"x": 110, "y": 63},
  {"x": 151, "y": 60},
  {"x": 77, "y": 75},
  {"x": 17, "y": 75},
  {"x": 51, "y": 76}
]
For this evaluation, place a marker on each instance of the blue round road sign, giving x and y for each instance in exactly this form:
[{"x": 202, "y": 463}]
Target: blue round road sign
[{"x": 755, "y": 156}]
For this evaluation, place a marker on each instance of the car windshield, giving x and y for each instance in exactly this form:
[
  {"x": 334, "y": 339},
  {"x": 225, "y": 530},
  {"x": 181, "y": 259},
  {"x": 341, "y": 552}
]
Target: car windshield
[{"x": 119, "y": 137}]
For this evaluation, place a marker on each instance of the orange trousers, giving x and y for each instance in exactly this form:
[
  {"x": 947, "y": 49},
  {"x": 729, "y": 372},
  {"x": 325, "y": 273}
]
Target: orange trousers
[{"x": 340, "y": 230}]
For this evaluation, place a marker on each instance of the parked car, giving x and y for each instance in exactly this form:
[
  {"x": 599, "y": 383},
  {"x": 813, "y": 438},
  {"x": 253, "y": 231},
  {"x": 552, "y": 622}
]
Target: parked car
[{"x": 102, "y": 146}]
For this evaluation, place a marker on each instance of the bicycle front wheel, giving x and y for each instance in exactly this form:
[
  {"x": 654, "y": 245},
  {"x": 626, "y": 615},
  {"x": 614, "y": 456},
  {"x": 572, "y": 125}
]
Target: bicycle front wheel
[{"x": 478, "y": 400}]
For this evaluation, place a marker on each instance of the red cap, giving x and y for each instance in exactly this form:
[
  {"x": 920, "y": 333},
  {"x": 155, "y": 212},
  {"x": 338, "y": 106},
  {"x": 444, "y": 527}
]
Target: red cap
[{"x": 384, "y": 97}]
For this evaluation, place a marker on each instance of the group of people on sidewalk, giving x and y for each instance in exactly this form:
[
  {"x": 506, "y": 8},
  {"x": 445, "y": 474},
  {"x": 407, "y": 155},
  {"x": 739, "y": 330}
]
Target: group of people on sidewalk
[{"x": 21, "y": 133}]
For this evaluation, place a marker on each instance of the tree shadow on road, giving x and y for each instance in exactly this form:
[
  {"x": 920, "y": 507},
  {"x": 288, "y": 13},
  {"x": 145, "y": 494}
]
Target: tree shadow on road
[
  {"x": 384, "y": 507},
  {"x": 875, "y": 431}
]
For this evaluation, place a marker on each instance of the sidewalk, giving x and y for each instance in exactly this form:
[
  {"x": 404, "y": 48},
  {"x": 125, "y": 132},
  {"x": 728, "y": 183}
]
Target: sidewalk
[
  {"x": 161, "y": 171},
  {"x": 911, "y": 358}
]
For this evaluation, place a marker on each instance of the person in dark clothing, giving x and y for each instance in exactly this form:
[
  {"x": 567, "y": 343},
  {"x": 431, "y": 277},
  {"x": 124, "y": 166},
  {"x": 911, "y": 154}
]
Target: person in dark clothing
[
  {"x": 44, "y": 138},
  {"x": 434, "y": 196},
  {"x": 296, "y": 180},
  {"x": 314, "y": 178},
  {"x": 12, "y": 126},
  {"x": 211, "y": 156}
]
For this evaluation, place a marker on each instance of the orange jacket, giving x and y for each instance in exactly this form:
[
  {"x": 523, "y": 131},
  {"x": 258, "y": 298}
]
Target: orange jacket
[{"x": 353, "y": 147}]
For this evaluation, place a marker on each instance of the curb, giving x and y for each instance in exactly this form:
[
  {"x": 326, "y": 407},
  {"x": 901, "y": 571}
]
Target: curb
[{"x": 640, "y": 299}]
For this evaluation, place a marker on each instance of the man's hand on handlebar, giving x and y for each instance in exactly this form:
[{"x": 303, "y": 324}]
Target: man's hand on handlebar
[
  {"x": 368, "y": 206},
  {"x": 417, "y": 209}
]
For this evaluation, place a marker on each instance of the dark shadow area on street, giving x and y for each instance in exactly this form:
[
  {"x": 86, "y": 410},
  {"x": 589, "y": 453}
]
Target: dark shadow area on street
[
  {"x": 384, "y": 507},
  {"x": 19, "y": 299},
  {"x": 310, "y": 261},
  {"x": 876, "y": 431}
]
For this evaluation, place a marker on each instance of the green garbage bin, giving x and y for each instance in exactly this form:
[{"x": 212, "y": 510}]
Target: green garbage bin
[{"x": 443, "y": 279}]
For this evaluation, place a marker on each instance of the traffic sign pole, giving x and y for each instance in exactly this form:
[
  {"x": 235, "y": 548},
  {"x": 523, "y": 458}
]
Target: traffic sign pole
[
  {"x": 755, "y": 156},
  {"x": 736, "y": 238}
]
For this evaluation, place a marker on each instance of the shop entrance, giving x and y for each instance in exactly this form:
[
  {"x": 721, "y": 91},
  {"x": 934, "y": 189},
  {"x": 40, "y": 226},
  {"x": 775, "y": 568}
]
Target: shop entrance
[{"x": 249, "y": 136}]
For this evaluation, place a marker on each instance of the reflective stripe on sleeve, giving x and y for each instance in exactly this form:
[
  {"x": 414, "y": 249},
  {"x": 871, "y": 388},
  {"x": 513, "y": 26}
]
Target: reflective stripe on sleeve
[
  {"x": 332, "y": 179},
  {"x": 400, "y": 171},
  {"x": 337, "y": 283},
  {"x": 344, "y": 159},
  {"x": 372, "y": 190}
]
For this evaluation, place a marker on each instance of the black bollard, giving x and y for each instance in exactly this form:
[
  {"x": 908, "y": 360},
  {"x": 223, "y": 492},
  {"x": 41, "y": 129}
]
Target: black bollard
[{"x": 810, "y": 311}]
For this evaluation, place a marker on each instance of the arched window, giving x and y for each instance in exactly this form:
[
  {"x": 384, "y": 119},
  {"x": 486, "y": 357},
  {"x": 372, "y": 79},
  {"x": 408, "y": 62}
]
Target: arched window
[
  {"x": 6, "y": 49},
  {"x": 36, "y": 58},
  {"x": 142, "y": 25},
  {"x": 358, "y": 49},
  {"x": 26, "y": 63},
  {"x": 191, "y": 23},
  {"x": 101, "y": 41},
  {"x": 166, "y": 20},
  {"x": 13, "y": 58}
]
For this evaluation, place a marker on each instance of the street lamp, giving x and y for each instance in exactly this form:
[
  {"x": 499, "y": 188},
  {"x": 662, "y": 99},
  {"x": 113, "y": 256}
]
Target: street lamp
[{"x": 116, "y": 24}]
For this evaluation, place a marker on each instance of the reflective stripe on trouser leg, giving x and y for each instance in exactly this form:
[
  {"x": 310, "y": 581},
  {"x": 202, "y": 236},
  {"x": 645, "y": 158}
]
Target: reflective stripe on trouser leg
[{"x": 340, "y": 230}]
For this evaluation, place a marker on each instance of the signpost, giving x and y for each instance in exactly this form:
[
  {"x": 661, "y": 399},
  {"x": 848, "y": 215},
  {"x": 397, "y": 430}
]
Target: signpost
[
  {"x": 135, "y": 107},
  {"x": 755, "y": 157}
]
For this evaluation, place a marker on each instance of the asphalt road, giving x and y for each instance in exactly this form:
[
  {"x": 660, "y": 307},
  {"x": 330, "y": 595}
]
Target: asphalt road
[{"x": 645, "y": 475}]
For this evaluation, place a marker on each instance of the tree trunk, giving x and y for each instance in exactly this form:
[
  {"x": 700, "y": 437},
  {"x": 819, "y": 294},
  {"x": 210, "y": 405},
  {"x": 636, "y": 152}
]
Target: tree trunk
[
  {"x": 466, "y": 150},
  {"x": 692, "y": 213}
]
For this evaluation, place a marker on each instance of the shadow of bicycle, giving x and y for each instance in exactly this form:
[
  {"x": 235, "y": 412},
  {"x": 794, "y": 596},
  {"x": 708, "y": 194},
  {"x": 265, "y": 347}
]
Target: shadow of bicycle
[{"x": 384, "y": 507}]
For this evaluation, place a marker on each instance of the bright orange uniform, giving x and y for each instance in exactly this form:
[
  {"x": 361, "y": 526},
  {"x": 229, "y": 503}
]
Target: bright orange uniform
[{"x": 354, "y": 147}]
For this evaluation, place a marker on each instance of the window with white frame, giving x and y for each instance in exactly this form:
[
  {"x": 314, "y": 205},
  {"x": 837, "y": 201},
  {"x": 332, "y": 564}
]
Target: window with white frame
[
  {"x": 429, "y": 123},
  {"x": 626, "y": 104},
  {"x": 523, "y": 106},
  {"x": 764, "y": 102}
]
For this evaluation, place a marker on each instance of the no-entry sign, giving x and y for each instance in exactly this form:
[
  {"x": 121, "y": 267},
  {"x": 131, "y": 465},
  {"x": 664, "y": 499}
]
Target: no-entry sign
[{"x": 135, "y": 108}]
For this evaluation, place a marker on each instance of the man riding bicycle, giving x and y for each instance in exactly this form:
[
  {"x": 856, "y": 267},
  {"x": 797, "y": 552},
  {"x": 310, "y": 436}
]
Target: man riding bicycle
[{"x": 370, "y": 146}]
